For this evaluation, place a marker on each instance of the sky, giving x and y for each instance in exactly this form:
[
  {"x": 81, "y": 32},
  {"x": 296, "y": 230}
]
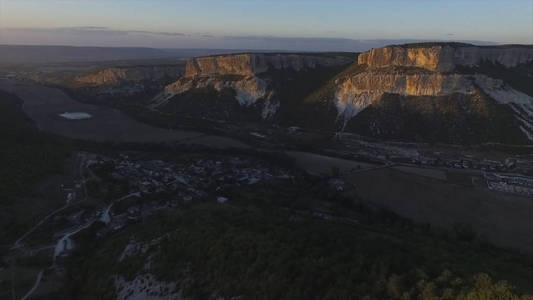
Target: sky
[{"x": 320, "y": 24}]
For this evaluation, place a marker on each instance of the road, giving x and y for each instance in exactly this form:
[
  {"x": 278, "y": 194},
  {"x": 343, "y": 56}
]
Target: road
[
  {"x": 17, "y": 245},
  {"x": 34, "y": 287},
  {"x": 18, "y": 242},
  {"x": 81, "y": 163},
  {"x": 318, "y": 164}
]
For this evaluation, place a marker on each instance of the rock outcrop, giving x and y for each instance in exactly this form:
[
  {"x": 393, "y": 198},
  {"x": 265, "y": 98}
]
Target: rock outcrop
[
  {"x": 118, "y": 75},
  {"x": 435, "y": 70},
  {"x": 247, "y": 89},
  {"x": 455, "y": 89},
  {"x": 248, "y": 75},
  {"x": 361, "y": 90},
  {"x": 446, "y": 57},
  {"x": 251, "y": 64},
  {"x": 117, "y": 84}
]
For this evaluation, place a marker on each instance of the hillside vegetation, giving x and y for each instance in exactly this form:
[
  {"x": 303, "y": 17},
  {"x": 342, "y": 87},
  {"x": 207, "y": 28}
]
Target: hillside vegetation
[
  {"x": 268, "y": 244},
  {"x": 268, "y": 255},
  {"x": 26, "y": 154},
  {"x": 27, "y": 157}
]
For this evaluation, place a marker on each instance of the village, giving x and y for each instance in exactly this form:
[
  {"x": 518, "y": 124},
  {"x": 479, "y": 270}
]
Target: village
[
  {"x": 513, "y": 184},
  {"x": 175, "y": 184},
  {"x": 506, "y": 174}
]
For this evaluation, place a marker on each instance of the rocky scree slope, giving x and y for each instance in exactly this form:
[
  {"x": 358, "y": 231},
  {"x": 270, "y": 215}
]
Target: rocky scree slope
[
  {"x": 250, "y": 85},
  {"x": 447, "y": 92}
]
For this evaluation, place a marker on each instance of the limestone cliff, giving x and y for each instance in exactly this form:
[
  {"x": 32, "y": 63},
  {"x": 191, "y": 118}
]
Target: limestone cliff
[
  {"x": 445, "y": 57},
  {"x": 123, "y": 83},
  {"x": 251, "y": 64},
  {"x": 117, "y": 75},
  {"x": 435, "y": 70},
  {"x": 250, "y": 76},
  {"x": 448, "y": 92},
  {"x": 355, "y": 93}
]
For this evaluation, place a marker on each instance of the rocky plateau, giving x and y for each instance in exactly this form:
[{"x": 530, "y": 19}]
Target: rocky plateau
[
  {"x": 431, "y": 72},
  {"x": 249, "y": 76}
]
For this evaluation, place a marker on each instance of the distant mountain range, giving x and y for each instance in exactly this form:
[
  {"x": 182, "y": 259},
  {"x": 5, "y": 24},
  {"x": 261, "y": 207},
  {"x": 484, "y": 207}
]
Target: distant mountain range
[{"x": 17, "y": 54}]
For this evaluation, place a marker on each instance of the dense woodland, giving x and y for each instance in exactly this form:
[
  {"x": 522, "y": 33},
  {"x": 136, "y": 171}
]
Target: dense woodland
[{"x": 268, "y": 255}]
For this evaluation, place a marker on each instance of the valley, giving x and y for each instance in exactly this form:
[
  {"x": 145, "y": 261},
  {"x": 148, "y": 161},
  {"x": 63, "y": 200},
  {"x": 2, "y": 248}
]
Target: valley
[
  {"x": 406, "y": 147},
  {"x": 44, "y": 106},
  {"x": 266, "y": 150}
]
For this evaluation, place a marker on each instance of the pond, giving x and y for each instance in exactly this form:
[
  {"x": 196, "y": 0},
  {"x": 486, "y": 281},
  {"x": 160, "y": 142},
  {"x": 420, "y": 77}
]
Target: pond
[{"x": 75, "y": 115}]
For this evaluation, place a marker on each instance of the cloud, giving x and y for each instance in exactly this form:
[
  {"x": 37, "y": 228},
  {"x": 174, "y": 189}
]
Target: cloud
[
  {"x": 86, "y": 30},
  {"x": 108, "y": 37},
  {"x": 156, "y": 33}
]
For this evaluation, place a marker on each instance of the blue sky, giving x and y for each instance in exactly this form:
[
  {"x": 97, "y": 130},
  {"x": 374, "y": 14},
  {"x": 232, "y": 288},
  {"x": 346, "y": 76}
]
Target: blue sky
[{"x": 163, "y": 22}]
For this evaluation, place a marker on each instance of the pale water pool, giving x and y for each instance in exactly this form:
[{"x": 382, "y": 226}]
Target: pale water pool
[{"x": 75, "y": 115}]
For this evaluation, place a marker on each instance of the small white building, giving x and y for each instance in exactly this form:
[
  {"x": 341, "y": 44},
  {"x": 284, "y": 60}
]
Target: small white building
[{"x": 222, "y": 200}]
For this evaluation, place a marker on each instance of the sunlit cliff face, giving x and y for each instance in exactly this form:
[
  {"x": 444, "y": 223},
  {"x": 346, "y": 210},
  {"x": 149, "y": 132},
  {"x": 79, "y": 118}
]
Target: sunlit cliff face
[
  {"x": 426, "y": 70},
  {"x": 255, "y": 64},
  {"x": 242, "y": 73},
  {"x": 445, "y": 58},
  {"x": 112, "y": 76}
]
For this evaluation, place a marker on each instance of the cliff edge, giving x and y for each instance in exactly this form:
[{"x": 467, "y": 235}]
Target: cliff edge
[
  {"x": 426, "y": 78},
  {"x": 251, "y": 64},
  {"x": 251, "y": 80},
  {"x": 446, "y": 57}
]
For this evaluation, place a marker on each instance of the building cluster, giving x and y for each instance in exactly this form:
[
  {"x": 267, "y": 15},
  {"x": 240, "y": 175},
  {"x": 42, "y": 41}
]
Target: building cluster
[
  {"x": 463, "y": 163},
  {"x": 189, "y": 181},
  {"x": 513, "y": 184},
  {"x": 176, "y": 184},
  {"x": 409, "y": 153}
]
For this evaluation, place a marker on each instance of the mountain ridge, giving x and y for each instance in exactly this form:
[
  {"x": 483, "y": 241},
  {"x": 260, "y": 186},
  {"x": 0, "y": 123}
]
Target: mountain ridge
[
  {"x": 437, "y": 70},
  {"x": 445, "y": 57},
  {"x": 337, "y": 91}
]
